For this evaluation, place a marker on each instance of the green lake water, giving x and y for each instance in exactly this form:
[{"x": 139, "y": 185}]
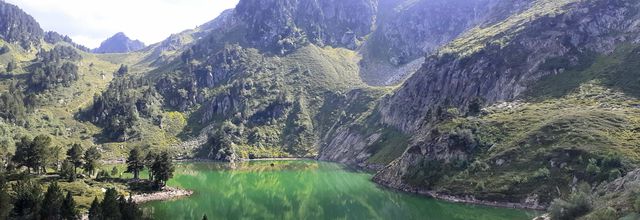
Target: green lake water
[{"x": 302, "y": 190}]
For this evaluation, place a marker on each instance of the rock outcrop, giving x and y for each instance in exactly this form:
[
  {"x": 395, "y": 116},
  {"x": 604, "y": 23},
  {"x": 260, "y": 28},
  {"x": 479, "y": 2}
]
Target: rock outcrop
[
  {"x": 501, "y": 66},
  {"x": 283, "y": 26}
]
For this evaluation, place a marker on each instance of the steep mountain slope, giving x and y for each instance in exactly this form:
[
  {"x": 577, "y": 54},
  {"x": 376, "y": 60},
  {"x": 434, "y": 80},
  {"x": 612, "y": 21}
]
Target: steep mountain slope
[
  {"x": 18, "y": 27},
  {"x": 508, "y": 101},
  {"x": 570, "y": 63},
  {"x": 119, "y": 43}
]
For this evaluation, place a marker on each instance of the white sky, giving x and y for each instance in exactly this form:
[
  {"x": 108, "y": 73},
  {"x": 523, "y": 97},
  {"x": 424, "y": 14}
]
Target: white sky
[{"x": 89, "y": 22}]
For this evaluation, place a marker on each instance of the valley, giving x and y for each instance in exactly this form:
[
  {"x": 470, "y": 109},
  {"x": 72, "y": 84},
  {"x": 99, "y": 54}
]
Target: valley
[{"x": 520, "y": 103}]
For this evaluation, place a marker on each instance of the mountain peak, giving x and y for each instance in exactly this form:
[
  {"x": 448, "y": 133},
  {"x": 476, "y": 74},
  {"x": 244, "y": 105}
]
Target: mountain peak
[{"x": 119, "y": 43}]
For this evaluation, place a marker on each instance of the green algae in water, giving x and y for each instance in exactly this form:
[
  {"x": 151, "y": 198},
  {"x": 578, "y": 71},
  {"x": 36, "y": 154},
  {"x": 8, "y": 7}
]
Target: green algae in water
[{"x": 302, "y": 190}]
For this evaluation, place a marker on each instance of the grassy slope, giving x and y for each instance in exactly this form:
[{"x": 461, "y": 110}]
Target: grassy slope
[
  {"x": 546, "y": 140},
  {"x": 56, "y": 111}
]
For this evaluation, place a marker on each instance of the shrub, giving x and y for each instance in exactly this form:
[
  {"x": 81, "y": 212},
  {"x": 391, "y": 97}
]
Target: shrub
[
  {"x": 604, "y": 214},
  {"x": 578, "y": 204},
  {"x": 614, "y": 174}
]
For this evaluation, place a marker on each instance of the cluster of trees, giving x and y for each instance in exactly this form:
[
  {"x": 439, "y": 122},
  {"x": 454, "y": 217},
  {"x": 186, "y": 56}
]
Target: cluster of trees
[
  {"x": 78, "y": 158},
  {"x": 59, "y": 54},
  {"x": 54, "y": 68},
  {"x": 120, "y": 107},
  {"x": 160, "y": 166},
  {"x": 28, "y": 202},
  {"x": 35, "y": 154},
  {"x": 299, "y": 134},
  {"x": 218, "y": 147},
  {"x": 16, "y": 26},
  {"x": 114, "y": 207},
  {"x": 53, "y": 37},
  {"x": 12, "y": 104},
  {"x": 122, "y": 71}
]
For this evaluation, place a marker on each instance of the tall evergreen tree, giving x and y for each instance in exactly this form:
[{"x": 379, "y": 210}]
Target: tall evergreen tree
[
  {"x": 5, "y": 199},
  {"x": 95, "y": 211},
  {"x": 135, "y": 163},
  {"x": 11, "y": 66},
  {"x": 162, "y": 169},
  {"x": 22, "y": 154},
  {"x": 67, "y": 172},
  {"x": 129, "y": 209},
  {"x": 74, "y": 154},
  {"x": 68, "y": 209},
  {"x": 52, "y": 202},
  {"x": 38, "y": 152},
  {"x": 149, "y": 159},
  {"x": 110, "y": 205},
  {"x": 26, "y": 200},
  {"x": 91, "y": 158},
  {"x": 123, "y": 70}
]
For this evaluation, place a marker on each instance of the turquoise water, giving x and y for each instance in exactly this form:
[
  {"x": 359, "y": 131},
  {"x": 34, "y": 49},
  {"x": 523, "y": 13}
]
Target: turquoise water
[{"x": 302, "y": 190}]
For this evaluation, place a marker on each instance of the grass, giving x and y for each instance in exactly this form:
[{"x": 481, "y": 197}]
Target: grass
[
  {"x": 502, "y": 32},
  {"x": 544, "y": 141}
]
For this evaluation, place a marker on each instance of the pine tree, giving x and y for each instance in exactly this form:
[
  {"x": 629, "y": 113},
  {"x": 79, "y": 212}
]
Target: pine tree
[
  {"x": 67, "y": 172},
  {"x": 110, "y": 206},
  {"x": 129, "y": 209},
  {"x": 68, "y": 209},
  {"x": 11, "y": 66},
  {"x": 95, "y": 211},
  {"x": 38, "y": 151},
  {"x": 74, "y": 154},
  {"x": 91, "y": 158},
  {"x": 123, "y": 70},
  {"x": 135, "y": 163},
  {"x": 162, "y": 169},
  {"x": 115, "y": 172},
  {"x": 148, "y": 162},
  {"x": 20, "y": 158},
  {"x": 26, "y": 200},
  {"x": 5, "y": 199},
  {"x": 52, "y": 202}
]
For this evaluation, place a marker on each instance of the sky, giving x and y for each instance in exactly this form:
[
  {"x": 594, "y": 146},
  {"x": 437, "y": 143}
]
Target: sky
[{"x": 89, "y": 22}]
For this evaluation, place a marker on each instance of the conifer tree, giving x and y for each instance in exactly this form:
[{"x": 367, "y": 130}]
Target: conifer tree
[
  {"x": 68, "y": 209},
  {"x": 95, "y": 211},
  {"x": 135, "y": 163},
  {"x": 52, "y": 202}
]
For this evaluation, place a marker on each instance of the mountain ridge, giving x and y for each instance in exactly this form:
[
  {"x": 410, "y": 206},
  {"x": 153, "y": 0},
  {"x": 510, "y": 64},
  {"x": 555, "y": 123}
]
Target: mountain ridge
[{"x": 119, "y": 43}]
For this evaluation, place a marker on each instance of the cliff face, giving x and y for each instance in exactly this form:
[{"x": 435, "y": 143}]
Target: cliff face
[
  {"x": 496, "y": 63},
  {"x": 500, "y": 66},
  {"x": 286, "y": 25}
]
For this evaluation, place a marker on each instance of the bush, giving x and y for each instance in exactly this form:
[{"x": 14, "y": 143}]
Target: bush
[
  {"x": 614, "y": 174},
  {"x": 578, "y": 204},
  {"x": 604, "y": 214}
]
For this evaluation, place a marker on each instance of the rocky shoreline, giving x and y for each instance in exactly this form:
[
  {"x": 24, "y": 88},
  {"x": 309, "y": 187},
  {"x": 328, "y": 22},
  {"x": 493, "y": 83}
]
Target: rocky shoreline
[
  {"x": 167, "y": 193},
  {"x": 458, "y": 199}
]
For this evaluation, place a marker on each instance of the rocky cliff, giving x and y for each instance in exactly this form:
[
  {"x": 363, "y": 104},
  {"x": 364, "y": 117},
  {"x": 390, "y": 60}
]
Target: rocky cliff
[
  {"x": 503, "y": 62},
  {"x": 286, "y": 25},
  {"x": 499, "y": 62}
]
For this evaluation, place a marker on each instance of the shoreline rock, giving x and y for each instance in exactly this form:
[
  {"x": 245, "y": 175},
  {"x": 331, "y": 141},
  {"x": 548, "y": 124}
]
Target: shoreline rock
[
  {"x": 167, "y": 193},
  {"x": 458, "y": 199}
]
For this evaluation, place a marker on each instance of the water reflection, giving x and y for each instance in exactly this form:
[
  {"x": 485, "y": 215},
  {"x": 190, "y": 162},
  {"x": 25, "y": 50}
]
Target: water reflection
[{"x": 301, "y": 190}]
